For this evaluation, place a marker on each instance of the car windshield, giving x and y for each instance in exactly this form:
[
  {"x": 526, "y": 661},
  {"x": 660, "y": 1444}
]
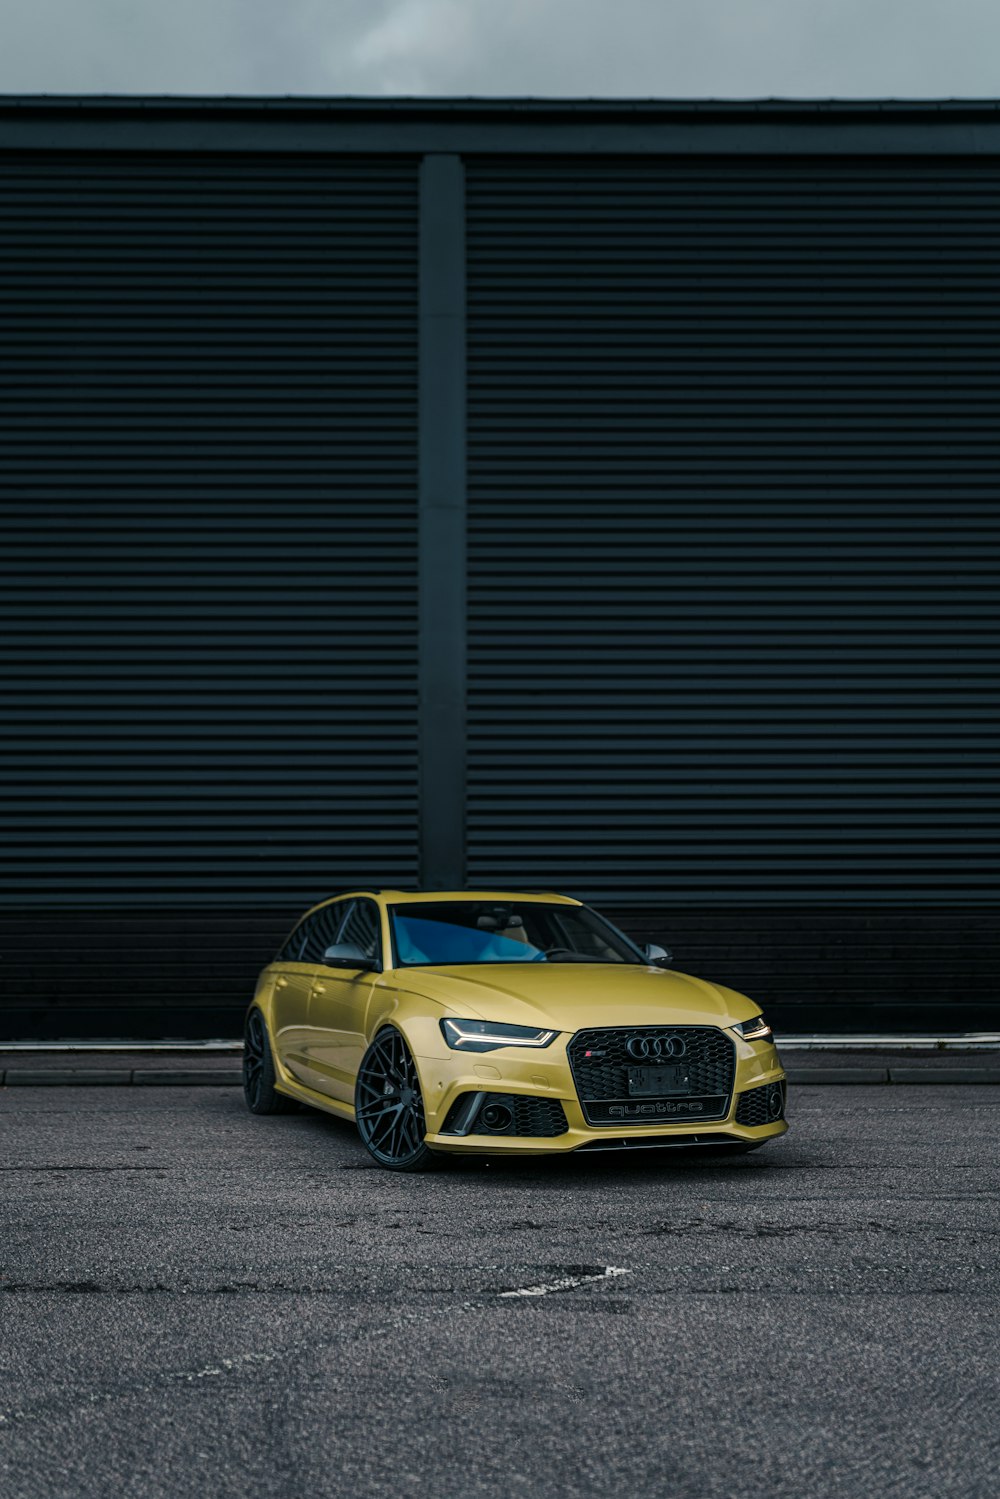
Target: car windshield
[{"x": 468, "y": 931}]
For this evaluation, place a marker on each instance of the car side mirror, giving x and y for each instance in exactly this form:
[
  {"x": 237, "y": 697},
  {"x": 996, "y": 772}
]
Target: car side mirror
[
  {"x": 349, "y": 955},
  {"x": 659, "y": 957}
]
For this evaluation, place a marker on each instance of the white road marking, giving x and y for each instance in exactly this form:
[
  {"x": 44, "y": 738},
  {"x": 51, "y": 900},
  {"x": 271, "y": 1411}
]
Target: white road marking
[
  {"x": 224, "y": 1366},
  {"x": 567, "y": 1283}
]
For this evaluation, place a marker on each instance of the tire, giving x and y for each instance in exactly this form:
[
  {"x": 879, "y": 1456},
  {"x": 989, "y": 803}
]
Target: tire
[
  {"x": 258, "y": 1070},
  {"x": 389, "y": 1107}
]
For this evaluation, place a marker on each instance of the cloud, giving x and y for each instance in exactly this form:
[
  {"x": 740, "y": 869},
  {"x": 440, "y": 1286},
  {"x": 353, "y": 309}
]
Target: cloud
[
  {"x": 408, "y": 46},
  {"x": 614, "y": 48}
]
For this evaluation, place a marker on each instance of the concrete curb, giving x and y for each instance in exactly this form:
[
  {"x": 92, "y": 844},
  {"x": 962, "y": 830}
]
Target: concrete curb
[
  {"x": 964, "y": 1042},
  {"x": 804, "y": 1076},
  {"x": 944, "y": 1075},
  {"x": 230, "y": 1077},
  {"x": 205, "y": 1076},
  {"x": 799, "y": 1075},
  {"x": 110, "y": 1077},
  {"x": 48, "y": 1077}
]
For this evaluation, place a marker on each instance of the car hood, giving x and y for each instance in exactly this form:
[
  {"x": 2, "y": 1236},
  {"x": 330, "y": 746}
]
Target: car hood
[{"x": 576, "y": 996}]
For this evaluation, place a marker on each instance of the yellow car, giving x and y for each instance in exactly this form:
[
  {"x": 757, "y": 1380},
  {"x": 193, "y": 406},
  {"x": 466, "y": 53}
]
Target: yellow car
[{"x": 503, "y": 1025}]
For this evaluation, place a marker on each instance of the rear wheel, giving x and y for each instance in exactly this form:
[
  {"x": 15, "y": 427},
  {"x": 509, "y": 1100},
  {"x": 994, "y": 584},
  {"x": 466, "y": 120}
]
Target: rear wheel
[
  {"x": 258, "y": 1070},
  {"x": 389, "y": 1107}
]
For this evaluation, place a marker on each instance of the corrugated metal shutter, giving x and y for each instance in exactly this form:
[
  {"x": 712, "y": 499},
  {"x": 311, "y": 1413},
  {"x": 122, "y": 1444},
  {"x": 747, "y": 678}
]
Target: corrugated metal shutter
[
  {"x": 209, "y": 556},
  {"x": 734, "y": 446}
]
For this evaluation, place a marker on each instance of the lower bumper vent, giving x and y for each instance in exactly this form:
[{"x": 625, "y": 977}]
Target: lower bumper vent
[
  {"x": 505, "y": 1114},
  {"x": 761, "y": 1105}
]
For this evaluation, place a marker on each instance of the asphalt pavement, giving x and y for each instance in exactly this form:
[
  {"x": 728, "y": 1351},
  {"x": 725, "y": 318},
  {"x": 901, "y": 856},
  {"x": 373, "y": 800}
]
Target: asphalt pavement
[{"x": 195, "y": 1301}]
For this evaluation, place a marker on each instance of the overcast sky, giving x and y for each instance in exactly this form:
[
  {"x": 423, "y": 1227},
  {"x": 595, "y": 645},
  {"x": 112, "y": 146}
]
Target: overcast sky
[{"x": 611, "y": 48}]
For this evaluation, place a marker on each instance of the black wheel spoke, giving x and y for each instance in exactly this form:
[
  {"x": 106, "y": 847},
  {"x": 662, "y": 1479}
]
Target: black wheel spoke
[
  {"x": 397, "y": 1138},
  {"x": 373, "y": 1110},
  {"x": 385, "y": 1127}
]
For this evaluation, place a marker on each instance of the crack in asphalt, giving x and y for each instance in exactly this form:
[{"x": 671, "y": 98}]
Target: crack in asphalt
[
  {"x": 703, "y": 1280},
  {"x": 223, "y": 1367},
  {"x": 824, "y": 1228},
  {"x": 569, "y": 1277}
]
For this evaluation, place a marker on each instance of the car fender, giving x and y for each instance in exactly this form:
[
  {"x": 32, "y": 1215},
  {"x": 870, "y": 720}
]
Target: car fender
[{"x": 416, "y": 1016}]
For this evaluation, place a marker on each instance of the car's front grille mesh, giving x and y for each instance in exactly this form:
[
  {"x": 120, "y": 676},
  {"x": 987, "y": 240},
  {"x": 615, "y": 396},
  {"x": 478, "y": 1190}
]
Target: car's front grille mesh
[
  {"x": 709, "y": 1054},
  {"x": 601, "y": 1064},
  {"x": 761, "y": 1105}
]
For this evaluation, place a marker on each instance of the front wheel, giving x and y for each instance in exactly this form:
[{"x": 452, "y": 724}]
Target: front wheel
[{"x": 389, "y": 1107}]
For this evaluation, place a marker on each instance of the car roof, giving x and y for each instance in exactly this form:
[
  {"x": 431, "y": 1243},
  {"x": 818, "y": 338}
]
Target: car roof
[
  {"x": 403, "y": 897},
  {"x": 400, "y": 896}
]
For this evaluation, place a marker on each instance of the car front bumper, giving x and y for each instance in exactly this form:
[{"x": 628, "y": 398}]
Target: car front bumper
[{"x": 449, "y": 1077}]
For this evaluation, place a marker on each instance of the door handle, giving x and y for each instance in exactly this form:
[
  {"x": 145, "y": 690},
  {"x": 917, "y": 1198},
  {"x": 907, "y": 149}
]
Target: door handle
[
  {"x": 281, "y": 984},
  {"x": 319, "y": 988}
]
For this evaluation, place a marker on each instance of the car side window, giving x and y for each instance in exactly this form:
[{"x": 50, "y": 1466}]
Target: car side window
[
  {"x": 324, "y": 928},
  {"x": 362, "y": 927},
  {"x": 582, "y": 936},
  {"x": 311, "y": 938}
]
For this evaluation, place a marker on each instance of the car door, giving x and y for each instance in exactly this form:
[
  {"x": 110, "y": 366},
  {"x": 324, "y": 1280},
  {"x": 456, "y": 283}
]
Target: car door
[
  {"x": 296, "y": 975},
  {"x": 339, "y": 1004},
  {"x": 292, "y": 989}
]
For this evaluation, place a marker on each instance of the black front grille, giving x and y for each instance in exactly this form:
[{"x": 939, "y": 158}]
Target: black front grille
[
  {"x": 761, "y": 1105},
  {"x": 527, "y": 1116},
  {"x": 612, "y": 1082}
]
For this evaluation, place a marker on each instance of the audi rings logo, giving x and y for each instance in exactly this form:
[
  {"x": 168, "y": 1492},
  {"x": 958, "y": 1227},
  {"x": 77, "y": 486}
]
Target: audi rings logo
[{"x": 643, "y": 1047}]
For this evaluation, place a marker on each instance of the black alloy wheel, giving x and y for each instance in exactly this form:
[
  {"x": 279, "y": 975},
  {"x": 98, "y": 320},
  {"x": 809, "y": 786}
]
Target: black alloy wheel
[
  {"x": 389, "y": 1107},
  {"x": 258, "y": 1070}
]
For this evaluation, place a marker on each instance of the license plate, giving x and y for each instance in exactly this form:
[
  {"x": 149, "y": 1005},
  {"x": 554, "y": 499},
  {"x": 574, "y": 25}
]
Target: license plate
[{"x": 655, "y": 1082}]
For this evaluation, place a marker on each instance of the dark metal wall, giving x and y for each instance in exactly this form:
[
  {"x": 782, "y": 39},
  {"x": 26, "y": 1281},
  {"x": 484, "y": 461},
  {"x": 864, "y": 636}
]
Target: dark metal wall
[
  {"x": 732, "y": 538},
  {"x": 208, "y": 568},
  {"x": 734, "y": 534},
  {"x": 734, "y": 530}
]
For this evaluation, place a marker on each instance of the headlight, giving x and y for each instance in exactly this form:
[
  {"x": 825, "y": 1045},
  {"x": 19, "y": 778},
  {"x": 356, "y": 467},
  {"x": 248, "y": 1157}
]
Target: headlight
[
  {"x": 483, "y": 1035},
  {"x": 752, "y": 1030}
]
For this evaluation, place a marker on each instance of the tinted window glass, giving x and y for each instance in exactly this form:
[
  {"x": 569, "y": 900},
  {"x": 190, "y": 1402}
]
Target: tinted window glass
[
  {"x": 324, "y": 927},
  {"x": 362, "y": 928},
  {"x": 509, "y": 932},
  {"x": 309, "y": 940}
]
